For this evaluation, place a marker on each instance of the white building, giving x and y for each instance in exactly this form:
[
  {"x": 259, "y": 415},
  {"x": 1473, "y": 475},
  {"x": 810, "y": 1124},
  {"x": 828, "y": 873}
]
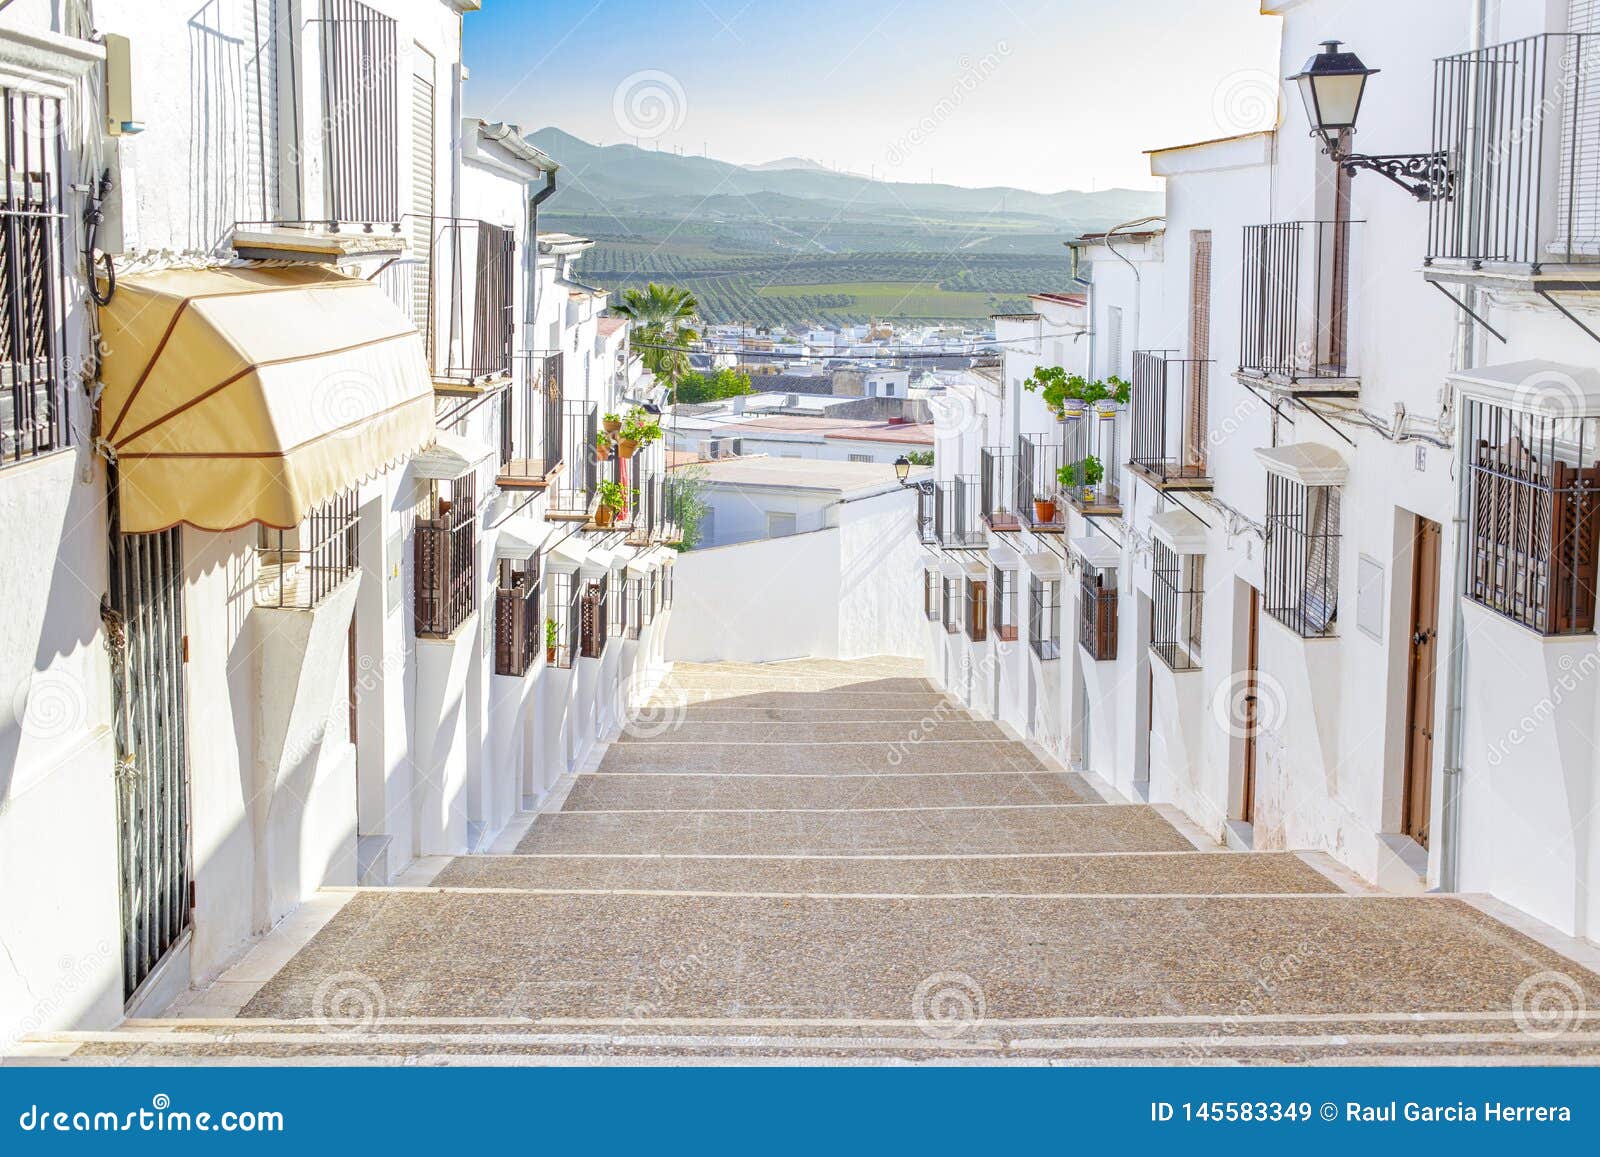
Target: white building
[
  {"x": 1336, "y": 590},
  {"x": 752, "y": 497},
  {"x": 284, "y": 535}
]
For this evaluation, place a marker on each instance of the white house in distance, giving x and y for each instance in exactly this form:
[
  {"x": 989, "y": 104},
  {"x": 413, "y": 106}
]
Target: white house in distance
[
  {"x": 755, "y": 496},
  {"x": 274, "y": 629},
  {"x": 834, "y": 439},
  {"x": 1336, "y": 590}
]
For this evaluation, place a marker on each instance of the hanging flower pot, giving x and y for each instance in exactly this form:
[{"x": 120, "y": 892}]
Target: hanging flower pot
[
  {"x": 1106, "y": 408},
  {"x": 626, "y": 448},
  {"x": 1071, "y": 409},
  {"x": 1044, "y": 510},
  {"x": 602, "y": 448},
  {"x": 611, "y": 423}
]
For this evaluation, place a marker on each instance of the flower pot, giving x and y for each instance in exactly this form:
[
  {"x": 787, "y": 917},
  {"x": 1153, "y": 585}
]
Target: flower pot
[
  {"x": 604, "y": 517},
  {"x": 626, "y": 448},
  {"x": 611, "y": 425},
  {"x": 549, "y": 654},
  {"x": 602, "y": 451},
  {"x": 1071, "y": 410},
  {"x": 1106, "y": 409},
  {"x": 1044, "y": 510},
  {"x": 1088, "y": 493}
]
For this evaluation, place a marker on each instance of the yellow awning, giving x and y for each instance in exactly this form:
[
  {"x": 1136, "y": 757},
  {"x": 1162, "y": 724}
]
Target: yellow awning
[{"x": 253, "y": 395}]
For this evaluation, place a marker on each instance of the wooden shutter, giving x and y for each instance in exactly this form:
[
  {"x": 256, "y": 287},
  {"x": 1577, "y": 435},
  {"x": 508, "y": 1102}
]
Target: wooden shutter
[{"x": 422, "y": 181}]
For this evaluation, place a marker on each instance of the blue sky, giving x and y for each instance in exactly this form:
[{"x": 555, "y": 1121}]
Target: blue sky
[{"x": 1044, "y": 95}]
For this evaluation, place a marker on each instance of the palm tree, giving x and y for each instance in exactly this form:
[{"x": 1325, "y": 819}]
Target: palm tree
[{"x": 663, "y": 318}]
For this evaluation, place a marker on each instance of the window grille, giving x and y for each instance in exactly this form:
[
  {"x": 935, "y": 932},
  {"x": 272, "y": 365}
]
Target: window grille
[
  {"x": 1177, "y": 600},
  {"x": 1004, "y": 602},
  {"x": 562, "y": 610},
  {"x": 446, "y": 558},
  {"x": 952, "y": 605},
  {"x": 931, "y": 595},
  {"x": 1044, "y": 617},
  {"x": 301, "y": 567},
  {"x": 360, "y": 100},
  {"x": 518, "y": 627},
  {"x": 1295, "y": 309},
  {"x": 592, "y": 616},
  {"x": 1535, "y": 484},
  {"x": 1097, "y": 613},
  {"x": 617, "y": 600},
  {"x": 1302, "y": 558},
  {"x": 977, "y": 610},
  {"x": 33, "y": 290}
]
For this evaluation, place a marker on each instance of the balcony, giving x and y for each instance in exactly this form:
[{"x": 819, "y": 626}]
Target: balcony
[
  {"x": 999, "y": 486},
  {"x": 572, "y": 495},
  {"x": 1168, "y": 446},
  {"x": 1039, "y": 459},
  {"x": 957, "y": 519},
  {"x": 1517, "y": 122},
  {"x": 1295, "y": 333},
  {"x": 517, "y": 622},
  {"x": 297, "y": 569},
  {"x": 1091, "y": 438},
  {"x": 469, "y": 321},
  {"x": 531, "y": 427},
  {"x": 446, "y": 559}
]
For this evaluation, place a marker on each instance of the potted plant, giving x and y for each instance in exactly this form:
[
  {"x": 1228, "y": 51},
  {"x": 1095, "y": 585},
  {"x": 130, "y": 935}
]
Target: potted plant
[
  {"x": 613, "y": 500},
  {"x": 611, "y": 423},
  {"x": 1084, "y": 475},
  {"x": 549, "y": 640},
  {"x": 1044, "y": 510},
  {"x": 602, "y": 447},
  {"x": 638, "y": 429}
]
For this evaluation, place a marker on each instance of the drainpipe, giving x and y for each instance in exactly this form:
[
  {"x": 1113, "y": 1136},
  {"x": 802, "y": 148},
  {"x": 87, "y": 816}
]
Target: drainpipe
[
  {"x": 531, "y": 306},
  {"x": 1455, "y": 682},
  {"x": 1138, "y": 279}
]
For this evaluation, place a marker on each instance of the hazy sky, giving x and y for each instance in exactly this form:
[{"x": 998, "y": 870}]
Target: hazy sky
[{"x": 1040, "y": 94}]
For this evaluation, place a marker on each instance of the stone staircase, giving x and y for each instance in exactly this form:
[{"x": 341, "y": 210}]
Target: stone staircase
[{"x": 828, "y": 862}]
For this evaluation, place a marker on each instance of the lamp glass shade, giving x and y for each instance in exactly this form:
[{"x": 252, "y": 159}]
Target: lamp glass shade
[
  {"x": 902, "y": 468},
  {"x": 1331, "y": 86}
]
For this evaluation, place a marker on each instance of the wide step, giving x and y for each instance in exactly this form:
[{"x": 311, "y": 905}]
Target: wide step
[{"x": 647, "y": 792}]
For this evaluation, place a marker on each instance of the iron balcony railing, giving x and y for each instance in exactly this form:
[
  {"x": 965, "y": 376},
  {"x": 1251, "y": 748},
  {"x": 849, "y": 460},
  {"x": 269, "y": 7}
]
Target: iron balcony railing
[
  {"x": 1039, "y": 458},
  {"x": 1044, "y": 617},
  {"x": 471, "y": 268},
  {"x": 360, "y": 127},
  {"x": 1295, "y": 315},
  {"x": 1520, "y": 125},
  {"x": 574, "y": 489},
  {"x": 446, "y": 559},
  {"x": 929, "y": 516},
  {"x": 960, "y": 519},
  {"x": 531, "y": 430},
  {"x": 1170, "y": 438},
  {"x": 1091, "y": 437},
  {"x": 593, "y": 612},
  {"x": 1535, "y": 523},
  {"x": 518, "y": 625},
  {"x": 299, "y": 568},
  {"x": 1001, "y": 486},
  {"x": 33, "y": 288}
]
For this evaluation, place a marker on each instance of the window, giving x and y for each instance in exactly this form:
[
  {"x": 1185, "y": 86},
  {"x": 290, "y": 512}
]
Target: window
[
  {"x": 668, "y": 581},
  {"x": 446, "y": 557},
  {"x": 861, "y": 458},
  {"x": 635, "y": 617},
  {"x": 617, "y": 600},
  {"x": 931, "y": 595},
  {"x": 301, "y": 567},
  {"x": 977, "y": 610},
  {"x": 1302, "y": 563},
  {"x": 1005, "y": 604},
  {"x": 952, "y": 605},
  {"x": 1196, "y": 426},
  {"x": 592, "y": 628},
  {"x": 518, "y": 630},
  {"x": 1177, "y": 596},
  {"x": 1534, "y": 519},
  {"x": 1044, "y": 617},
  {"x": 33, "y": 396},
  {"x": 780, "y": 525},
  {"x": 1097, "y": 613},
  {"x": 1114, "y": 341}
]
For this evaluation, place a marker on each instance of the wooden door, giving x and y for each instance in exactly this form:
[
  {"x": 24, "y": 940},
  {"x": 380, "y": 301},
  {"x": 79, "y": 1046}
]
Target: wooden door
[
  {"x": 1424, "y": 645},
  {"x": 1249, "y": 720}
]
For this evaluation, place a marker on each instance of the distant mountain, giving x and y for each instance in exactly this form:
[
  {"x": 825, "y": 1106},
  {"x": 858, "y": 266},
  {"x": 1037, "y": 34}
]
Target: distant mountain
[
  {"x": 787, "y": 164},
  {"x": 625, "y": 179}
]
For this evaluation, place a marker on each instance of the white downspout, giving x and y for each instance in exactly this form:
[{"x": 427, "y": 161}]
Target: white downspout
[{"x": 1455, "y": 682}]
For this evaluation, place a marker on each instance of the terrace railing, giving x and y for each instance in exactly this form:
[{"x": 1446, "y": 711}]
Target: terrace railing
[
  {"x": 1295, "y": 315},
  {"x": 1169, "y": 442}
]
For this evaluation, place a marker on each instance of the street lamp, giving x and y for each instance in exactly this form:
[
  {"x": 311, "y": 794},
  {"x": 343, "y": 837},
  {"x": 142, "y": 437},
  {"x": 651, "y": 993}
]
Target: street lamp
[
  {"x": 1331, "y": 85},
  {"x": 902, "y": 471}
]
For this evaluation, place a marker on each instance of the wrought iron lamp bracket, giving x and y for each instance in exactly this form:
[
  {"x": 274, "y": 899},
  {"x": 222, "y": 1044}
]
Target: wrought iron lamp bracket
[{"x": 1426, "y": 176}]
